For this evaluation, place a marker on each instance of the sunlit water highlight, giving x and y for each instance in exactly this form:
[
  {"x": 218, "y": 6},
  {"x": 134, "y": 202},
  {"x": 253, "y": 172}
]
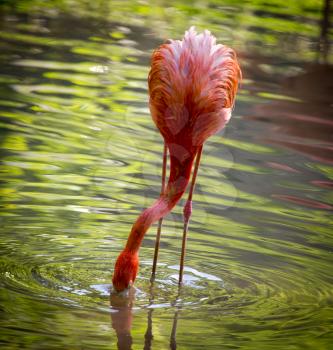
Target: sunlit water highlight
[{"x": 81, "y": 158}]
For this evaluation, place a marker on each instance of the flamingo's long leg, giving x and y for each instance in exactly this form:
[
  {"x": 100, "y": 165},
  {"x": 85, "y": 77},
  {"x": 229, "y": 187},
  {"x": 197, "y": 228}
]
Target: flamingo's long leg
[
  {"x": 159, "y": 227},
  {"x": 187, "y": 214}
]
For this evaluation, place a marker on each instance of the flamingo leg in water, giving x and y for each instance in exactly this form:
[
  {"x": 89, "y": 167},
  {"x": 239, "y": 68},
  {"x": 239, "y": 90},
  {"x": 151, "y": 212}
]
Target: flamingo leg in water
[
  {"x": 159, "y": 226},
  {"x": 187, "y": 214}
]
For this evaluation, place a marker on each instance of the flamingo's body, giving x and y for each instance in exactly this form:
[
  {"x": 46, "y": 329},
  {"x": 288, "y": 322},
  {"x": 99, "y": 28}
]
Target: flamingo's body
[{"x": 192, "y": 86}]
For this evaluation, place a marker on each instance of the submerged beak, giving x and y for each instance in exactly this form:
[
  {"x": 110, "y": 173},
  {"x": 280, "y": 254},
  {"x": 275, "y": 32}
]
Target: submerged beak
[{"x": 124, "y": 291}]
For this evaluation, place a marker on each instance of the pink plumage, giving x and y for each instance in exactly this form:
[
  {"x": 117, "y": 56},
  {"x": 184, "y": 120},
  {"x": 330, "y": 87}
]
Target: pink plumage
[{"x": 192, "y": 86}]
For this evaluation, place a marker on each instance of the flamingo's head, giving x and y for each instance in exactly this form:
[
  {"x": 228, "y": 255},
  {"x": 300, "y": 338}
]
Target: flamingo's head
[{"x": 125, "y": 270}]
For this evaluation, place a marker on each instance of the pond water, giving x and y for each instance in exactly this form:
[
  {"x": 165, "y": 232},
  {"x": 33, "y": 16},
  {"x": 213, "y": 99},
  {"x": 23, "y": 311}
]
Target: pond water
[{"x": 81, "y": 158}]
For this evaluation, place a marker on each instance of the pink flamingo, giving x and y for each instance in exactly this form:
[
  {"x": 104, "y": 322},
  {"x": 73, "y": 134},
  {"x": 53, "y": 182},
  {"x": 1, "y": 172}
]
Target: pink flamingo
[{"x": 192, "y": 87}]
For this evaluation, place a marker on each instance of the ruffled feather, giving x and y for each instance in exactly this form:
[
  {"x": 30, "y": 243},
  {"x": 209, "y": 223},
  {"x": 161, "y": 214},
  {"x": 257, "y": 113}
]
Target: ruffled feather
[{"x": 192, "y": 85}]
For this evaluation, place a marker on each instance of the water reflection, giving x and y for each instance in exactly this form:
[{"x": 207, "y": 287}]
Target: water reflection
[
  {"x": 149, "y": 331},
  {"x": 173, "y": 342},
  {"x": 122, "y": 315},
  {"x": 324, "y": 42},
  {"x": 305, "y": 126}
]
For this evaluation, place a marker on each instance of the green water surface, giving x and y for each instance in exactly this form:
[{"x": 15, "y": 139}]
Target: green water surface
[{"x": 80, "y": 158}]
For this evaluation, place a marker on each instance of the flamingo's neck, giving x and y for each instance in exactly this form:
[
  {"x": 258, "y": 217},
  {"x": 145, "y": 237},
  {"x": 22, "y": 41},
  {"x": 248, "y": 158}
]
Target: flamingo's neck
[{"x": 180, "y": 171}]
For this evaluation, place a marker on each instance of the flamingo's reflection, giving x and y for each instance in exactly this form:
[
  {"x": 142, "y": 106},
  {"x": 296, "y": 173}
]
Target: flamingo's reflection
[
  {"x": 122, "y": 316},
  {"x": 149, "y": 332}
]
